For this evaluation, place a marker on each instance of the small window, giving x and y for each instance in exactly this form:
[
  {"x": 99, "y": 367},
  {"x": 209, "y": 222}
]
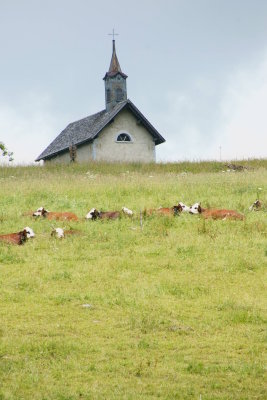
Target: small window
[
  {"x": 123, "y": 137},
  {"x": 108, "y": 96},
  {"x": 119, "y": 95}
]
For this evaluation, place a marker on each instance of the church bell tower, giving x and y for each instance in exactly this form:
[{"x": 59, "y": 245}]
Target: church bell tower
[{"x": 115, "y": 82}]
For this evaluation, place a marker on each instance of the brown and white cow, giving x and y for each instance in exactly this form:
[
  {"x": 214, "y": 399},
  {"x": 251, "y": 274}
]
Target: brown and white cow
[
  {"x": 183, "y": 207},
  {"x": 94, "y": 214},
  {"x": 215, "y": 213},
  {"x": 170, "y": 211},
  {"x": 18, "y": 237},
  {"x": 61, "y": 233},
  {"x": 63, "y": 216}
]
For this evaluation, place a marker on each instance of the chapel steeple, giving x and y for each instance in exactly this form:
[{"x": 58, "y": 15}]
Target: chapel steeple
[{"x": 115, "y": 82}]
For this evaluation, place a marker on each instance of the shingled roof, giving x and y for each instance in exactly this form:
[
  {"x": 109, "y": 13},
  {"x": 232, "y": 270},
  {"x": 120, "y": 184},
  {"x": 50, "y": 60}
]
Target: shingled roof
[{"x": 87, "y": 129}]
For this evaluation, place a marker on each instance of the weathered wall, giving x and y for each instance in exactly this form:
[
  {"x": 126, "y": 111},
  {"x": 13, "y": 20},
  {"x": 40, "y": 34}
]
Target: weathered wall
[
  {"x": 111, "y": 84},
  {"x": 84, "y": 153},
  {"x": 63, "y": 158},
  {"x": 141, "y": 149}
]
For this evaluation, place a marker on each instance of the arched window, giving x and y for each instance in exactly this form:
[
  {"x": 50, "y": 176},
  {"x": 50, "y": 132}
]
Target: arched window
[
  {"x": 119, "y": 95},
  {"x": 124, "y": 137}
]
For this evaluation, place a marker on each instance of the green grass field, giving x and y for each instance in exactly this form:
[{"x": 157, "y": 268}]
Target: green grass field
[{"x": 177, "y": 310}]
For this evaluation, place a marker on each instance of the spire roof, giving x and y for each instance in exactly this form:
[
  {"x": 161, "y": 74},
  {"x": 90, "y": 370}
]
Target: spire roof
[
  {"x": 114, "y": 63},
  {"x": 114, "y": 67}
]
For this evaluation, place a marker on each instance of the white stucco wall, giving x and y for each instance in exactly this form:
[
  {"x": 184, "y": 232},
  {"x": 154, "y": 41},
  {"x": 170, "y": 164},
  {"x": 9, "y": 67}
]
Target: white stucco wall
[
  {"x": 141, "y": 149},
  {"x": 63, "y": 158},
  {"x": 84, "y": 154},
  {"x": 106, "y": 148}
]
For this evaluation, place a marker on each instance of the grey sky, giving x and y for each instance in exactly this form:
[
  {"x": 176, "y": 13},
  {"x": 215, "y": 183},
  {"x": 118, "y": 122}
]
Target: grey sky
[{"x": 196, "y": 69}]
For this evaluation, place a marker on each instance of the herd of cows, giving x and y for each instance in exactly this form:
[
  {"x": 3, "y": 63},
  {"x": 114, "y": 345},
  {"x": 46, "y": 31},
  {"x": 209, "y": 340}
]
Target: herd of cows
[{"x": 21, "y": 237}]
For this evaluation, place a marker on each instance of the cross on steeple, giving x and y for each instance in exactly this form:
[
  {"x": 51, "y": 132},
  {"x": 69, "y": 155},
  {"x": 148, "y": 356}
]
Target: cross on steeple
[{"x": 113, "y": 34}]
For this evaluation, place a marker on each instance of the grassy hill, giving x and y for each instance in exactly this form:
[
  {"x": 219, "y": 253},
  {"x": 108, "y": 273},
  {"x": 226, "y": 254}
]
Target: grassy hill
[{"x": 175, "y": 310}]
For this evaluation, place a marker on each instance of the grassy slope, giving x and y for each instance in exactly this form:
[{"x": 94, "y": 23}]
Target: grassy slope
[{"x": 178, "y": 309}]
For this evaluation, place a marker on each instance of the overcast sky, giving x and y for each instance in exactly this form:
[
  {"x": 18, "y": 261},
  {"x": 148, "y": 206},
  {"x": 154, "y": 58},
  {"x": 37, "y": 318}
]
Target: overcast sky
[{"x": 197, "y": 69}]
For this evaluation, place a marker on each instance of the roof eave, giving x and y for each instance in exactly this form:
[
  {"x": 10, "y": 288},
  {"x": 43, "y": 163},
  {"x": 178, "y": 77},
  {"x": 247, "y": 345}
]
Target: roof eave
[
  {"x": 40, "y": 158},
  {"x": 154, "y": 133},
  {"x": 113, "y": 74},
  {"x": 63, "y": 150},
  {"x": 158, "y": 138}
]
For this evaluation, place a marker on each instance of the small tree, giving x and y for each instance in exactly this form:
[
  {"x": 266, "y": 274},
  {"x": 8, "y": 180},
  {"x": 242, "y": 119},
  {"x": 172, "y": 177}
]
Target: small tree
[{"x": 5, "y": 153}]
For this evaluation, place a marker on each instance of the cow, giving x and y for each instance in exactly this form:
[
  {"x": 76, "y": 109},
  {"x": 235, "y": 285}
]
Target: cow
[
  {"x": 184, "y": 208},
  {"x": 215, "y": 213},
  {"x": 63, "y": 216},
  {"x": 61, "y": 233},
  {"x": 175, "y": 210},
  {"x": 109, "y": 214},
  {"x": 58, "y": 232},
  {"x": 256, "y": 206},
  {"x": 18, "y": 237},
  {"x": 94, "y": 214},
  {"x": 30, "y": 233}
]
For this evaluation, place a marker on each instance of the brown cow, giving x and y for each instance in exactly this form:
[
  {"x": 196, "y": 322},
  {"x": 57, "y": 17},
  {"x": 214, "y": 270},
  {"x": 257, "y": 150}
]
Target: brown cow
[
  {"x": 61, "y": 233},
  {"x": 63, "y": 216},
  {"x": 109, "y": 214},
  {"x": 165, "y": 211},
  {"x": 93, "y": 214},
  {"x": 17, "y": 237},
  {"x": 215, "y": 213}
]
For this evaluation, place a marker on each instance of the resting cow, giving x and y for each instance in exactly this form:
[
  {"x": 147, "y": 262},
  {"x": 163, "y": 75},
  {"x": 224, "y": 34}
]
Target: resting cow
[
  {"x": 61, "y": 233},
  {"x": 215, "y": 213},
  {"x": 18, "y": 237},
  {"x": 164, "y": 210},
  {"x": 183, "y": 207},
  {"x": 67, "y": 216},
  {"x": 95, "y": 214}
]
